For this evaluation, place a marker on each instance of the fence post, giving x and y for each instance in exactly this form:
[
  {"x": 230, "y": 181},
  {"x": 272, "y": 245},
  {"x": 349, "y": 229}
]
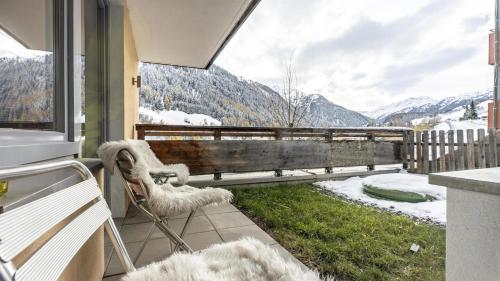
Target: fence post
[
  {"x": 434, "y": 151},
  {"x": 442, "y": 151},
  {"x": 370, "y": 167},
  {"x": 329, "y": 139},
  {"x": 140, "y": 134},
  {"x": 404, "y": 150},
  {"x": 492, "y": 143},
  {"x": 412, "y": 151},
  {"x": 471, "y": 160},
  {"x": 481, "y": 161},
  {"x": 218, "y": 136},
  {"x": 451, "y": 150},
  {"x": 460, "y": 150},
  {"x": 279, "y": 136},
  {"x": 419, "y": 152},
  {"x": 425, "y": 152}
]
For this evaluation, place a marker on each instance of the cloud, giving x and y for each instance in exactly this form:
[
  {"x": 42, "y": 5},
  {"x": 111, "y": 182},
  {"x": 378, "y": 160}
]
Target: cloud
[
  {"x": 364, "y": 49},
  {"x": 472, "y": 24},
  {"x": 401, "y": 77}
]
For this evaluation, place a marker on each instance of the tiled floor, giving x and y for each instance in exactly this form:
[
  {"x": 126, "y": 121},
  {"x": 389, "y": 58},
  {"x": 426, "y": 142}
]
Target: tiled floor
[{"x": 215, "y": 224}]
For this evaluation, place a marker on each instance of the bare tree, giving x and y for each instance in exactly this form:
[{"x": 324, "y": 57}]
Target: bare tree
[{"x": 291, "y": 107}]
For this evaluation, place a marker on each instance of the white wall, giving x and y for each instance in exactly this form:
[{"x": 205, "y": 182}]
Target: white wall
[{"x": 472, "y": 236}]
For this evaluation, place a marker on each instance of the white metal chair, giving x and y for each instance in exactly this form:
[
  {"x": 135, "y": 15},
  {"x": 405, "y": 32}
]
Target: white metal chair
[
  {"x": 25, "y": 224},
  {"x": 145, "y": 181},
  {"x": 244, "y": 260}
]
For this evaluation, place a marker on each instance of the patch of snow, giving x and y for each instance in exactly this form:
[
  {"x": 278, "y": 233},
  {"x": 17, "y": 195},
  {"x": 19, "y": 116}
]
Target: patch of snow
[
  {"x": 462, "y": 125},
  {"x": 401, "y": 106},
  {"x": 352, "y": 189},
  {"x": 176, "y": 117}
]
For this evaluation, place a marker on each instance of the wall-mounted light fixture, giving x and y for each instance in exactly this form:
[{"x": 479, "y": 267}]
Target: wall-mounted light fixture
[{"x": 137, "y": 81}]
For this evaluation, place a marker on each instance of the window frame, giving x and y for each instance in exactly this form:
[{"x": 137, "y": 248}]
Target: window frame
[{"x": 27, "y": 146}]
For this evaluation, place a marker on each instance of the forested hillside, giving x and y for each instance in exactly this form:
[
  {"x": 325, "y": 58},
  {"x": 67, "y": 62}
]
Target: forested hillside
[
  {"x": 26, "y": 89},
  {"x": 228, "y": 98}
]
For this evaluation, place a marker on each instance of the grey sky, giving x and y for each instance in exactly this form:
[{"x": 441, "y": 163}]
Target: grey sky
[{"x": 365, "y": 53}]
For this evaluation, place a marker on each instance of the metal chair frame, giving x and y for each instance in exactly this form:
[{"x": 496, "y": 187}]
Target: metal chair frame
[
  {"x": 28, "y": 222},
  {"x": 142, "y": 205}
]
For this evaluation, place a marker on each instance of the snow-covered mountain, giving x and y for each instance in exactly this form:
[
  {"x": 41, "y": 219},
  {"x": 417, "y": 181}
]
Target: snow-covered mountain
[
  {"x": 225, "y": 97},
  {"x": 413, "y": 109}
]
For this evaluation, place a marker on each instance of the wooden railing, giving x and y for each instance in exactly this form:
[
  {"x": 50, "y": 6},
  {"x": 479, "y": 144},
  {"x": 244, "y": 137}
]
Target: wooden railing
[
  {"x": 217, "y": 149},
  {"x": 432, "y": 151}
]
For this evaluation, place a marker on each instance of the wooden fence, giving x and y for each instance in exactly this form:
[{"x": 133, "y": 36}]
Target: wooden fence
[
  {"x": 216, "y": 150},
  {"x": 432, "y": 151}
]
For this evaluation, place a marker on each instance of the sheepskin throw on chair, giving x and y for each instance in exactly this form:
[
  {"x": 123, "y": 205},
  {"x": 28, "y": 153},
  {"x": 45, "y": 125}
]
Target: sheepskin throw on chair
[{"x": 165, "y": 199}]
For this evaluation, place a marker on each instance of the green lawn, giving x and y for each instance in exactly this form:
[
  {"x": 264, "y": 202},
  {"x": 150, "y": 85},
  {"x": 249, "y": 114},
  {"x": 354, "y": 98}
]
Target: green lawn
[{"x": 347, "y": 240}]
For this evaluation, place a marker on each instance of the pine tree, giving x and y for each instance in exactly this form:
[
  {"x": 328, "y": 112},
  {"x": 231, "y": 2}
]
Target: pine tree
[
  {"x": 466, "y": 115},
  {"x": 473, "y": 112}
]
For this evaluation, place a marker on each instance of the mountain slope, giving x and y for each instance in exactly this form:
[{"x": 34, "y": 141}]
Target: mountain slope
[
  {"x": 415, "y": 108},
  {"x": 326, "y": 113},
  {"x": 227, "y": 98}
]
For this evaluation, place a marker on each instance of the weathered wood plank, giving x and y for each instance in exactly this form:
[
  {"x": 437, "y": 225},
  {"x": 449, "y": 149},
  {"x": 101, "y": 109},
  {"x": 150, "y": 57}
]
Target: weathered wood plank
[
  {"x": 418, "y": 140},
  {"x": 460, "y": 150},
  {"x": 217, "y": 136},
  {"x": 387, "y": 152},
  {"x": 492, "y": 146},
  {"x": 412, "y": 151},
  {"x": 425, "y": 152},
  {"x": 140, "y": 134},
  {"x": 442, "y": 152},
  {"x": 404, "y": 150},
  {"x": 372, "y": 130},
  {"x": 471, "y": 160},
  {"x": 434, "y": 166},
  {"x": 370, "y": 167},
  {"x": 451, "y": 151},
  {"x": 481, "y": 149},
  {"x": 226, "y": 156},
  {"x": 329, "y": 138}
]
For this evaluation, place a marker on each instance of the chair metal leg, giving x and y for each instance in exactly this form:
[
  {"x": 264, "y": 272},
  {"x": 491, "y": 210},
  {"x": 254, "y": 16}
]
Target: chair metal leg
[
  {"x": 144, "y": 243},
  {"x": 189, "y": 219},
  {"x": 172, "y": 235},
  {"x": 162, "y": 225},
  {"x": 120, "y": 249}
]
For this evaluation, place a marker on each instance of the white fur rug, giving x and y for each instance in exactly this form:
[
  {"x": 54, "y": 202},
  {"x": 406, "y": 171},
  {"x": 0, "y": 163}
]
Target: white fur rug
[
  {"x": 165, "y": 199},
  {"x": 244, "y": 260}
]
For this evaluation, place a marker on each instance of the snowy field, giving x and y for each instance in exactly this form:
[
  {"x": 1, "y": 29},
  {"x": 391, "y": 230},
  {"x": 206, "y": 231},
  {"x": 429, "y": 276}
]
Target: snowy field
[
  {"x": 352, "y": 189},
  {"x": 176, "y": 117},
  {"x": 462, "y": 125}
]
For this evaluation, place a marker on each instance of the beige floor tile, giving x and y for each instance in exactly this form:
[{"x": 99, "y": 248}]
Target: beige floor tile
[
  {"x": 155, "y": 250},
  {"x": 226, "y": 220},
  {"x": 198, "y": 224},
  {"x": 114, "y": 266},
  {"x": 136, "y": 216},
  {"x": 185, "y": 215},
  {"x": 235, "y": 233},
  {"x": 135, "y": 232},
  {"x": 225, "y": 208},
  {"x": 202, "y": 240}
]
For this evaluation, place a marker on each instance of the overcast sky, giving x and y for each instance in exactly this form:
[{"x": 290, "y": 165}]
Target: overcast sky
[{"x": 366, "y": 53}]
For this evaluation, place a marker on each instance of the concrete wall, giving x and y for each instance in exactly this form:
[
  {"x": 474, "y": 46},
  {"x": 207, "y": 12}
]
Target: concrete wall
[
  {"x": 472, "y": 236},
  {"x": 124, "y": 97},
  {"x": 131, "y": 70}
]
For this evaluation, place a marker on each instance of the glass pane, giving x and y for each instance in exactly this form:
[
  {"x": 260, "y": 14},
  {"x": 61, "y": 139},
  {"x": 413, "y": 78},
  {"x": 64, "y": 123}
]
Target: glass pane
[{"x": 26, "y": 64}]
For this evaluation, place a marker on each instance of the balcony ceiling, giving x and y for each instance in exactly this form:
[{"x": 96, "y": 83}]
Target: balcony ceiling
[
  {"x": 185, "y": 32},
  {"x": 29, "y": 22}
]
